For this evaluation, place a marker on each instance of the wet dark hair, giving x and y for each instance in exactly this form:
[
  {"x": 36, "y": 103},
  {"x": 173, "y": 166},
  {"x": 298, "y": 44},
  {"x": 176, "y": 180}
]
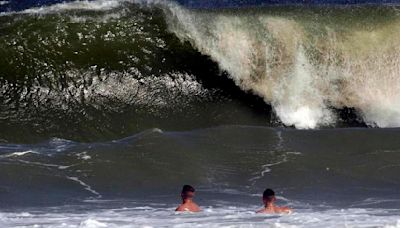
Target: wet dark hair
[
  {"x": 187, "y": 188},
  {"x": 268, "y": 194}
]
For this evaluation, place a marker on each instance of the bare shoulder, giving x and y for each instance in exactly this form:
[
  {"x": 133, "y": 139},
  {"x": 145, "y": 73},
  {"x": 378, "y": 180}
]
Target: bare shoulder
[
  {"x": 181, "y": 208},
  {"x": 188, "y": 207},
  {"x": 286, "y": 210},
  {"x": 196, "y": 208}
]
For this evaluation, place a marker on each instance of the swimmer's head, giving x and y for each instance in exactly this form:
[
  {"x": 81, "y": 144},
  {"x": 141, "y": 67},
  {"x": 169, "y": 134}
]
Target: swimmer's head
[
  {"x": 187, "y": 192},
  {"x": 269, "y": 196}
]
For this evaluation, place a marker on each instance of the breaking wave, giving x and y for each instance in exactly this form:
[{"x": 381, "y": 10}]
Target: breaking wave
[
  {"x": 86, "y": 59},
  {"x": 304, "y": 61}
]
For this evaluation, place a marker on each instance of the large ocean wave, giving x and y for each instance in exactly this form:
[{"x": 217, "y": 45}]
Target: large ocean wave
[
  {"x": 304, "y": 61},
  {"x": 86, "y": 62}
]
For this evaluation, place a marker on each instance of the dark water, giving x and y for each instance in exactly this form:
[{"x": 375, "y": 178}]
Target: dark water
[
  {"x": 106, "y": 88},
  {"x": 336, "y": 167},
  {"x": 107, "y": 104}
]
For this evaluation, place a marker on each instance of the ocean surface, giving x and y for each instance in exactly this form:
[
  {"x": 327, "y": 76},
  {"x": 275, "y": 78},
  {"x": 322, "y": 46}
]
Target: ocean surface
[{"x": 107, "y": 107}]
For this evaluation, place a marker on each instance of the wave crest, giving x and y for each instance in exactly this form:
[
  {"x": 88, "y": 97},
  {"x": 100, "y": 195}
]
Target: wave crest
[{"x": 305, "y": 65}]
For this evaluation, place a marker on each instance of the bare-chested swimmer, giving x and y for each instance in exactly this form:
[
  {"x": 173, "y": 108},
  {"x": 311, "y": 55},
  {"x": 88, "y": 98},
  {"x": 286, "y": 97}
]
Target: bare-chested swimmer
[
  {"x": 269, "y": 204},
  {"x": 187, "y": 195}
]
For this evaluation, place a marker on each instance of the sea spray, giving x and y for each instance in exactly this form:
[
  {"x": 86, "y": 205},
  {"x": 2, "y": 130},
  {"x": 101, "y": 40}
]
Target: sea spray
[{"x": 305, "y": 61}]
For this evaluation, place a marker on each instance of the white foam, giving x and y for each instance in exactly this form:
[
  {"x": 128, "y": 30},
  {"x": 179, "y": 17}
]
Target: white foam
[
  {"x": 85, "y": 186},
  {"x": 45, "y": 164},
  {"x": 397, "y": 225},
  {"x": 84, "y": 156},
  {"x": 92, "y": 223},
  {"x": 267, "y": 168},
  {"x": 98, "y": 5},
  {"x": 210, "y": 217},
  {"x": 18, "y": 154},
  {"x": 267, "y": 55},
  {"x": 94, "y": 5}
]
